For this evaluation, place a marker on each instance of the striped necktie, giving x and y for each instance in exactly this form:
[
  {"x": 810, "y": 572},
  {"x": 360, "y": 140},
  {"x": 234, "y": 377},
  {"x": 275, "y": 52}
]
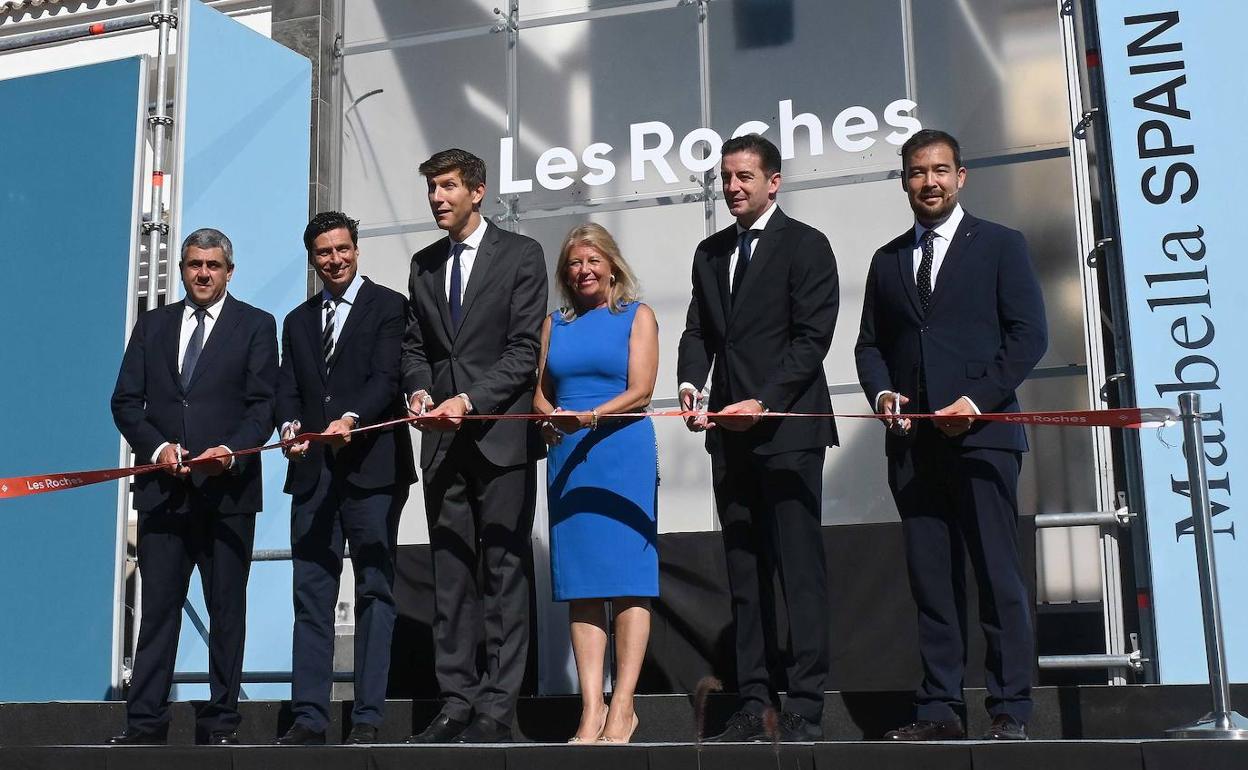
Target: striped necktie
[{"x": 327, "y": 334}]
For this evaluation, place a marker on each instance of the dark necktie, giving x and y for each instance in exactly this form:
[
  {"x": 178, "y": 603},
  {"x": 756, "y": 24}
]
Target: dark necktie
[
  {"x": 457, "y": 286},
  {"x": 743, "y": 260},
  {"x": 923, "y": 280},
  {"x": 194, "y": 347},
  {"x": 327, "y": 333}
]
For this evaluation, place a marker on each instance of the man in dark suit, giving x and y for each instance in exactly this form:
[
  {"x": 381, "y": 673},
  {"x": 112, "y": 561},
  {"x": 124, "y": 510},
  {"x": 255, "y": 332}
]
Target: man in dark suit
[
  {"x": 764, "y": 306},
  {"x": 197, "y": 382},
  {"x": 340, "y": 371},
  {"x": 953, "y": 322},
  {"x": 477, "y": 299}
]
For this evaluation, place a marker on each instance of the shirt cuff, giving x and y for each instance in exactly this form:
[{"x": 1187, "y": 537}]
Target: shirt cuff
[
  {"x": 467, "y": 401},
  {"x": 159, "y": 449},
  {"x": 232, "y": 458},
  {"x": 353, "y": 416},
  {"x": 972, "y": 403}
]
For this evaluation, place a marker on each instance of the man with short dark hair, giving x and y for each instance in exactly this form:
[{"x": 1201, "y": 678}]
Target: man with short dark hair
[
  {"x": 952, "y": 322},
  {"x": 477, "y": 299},
  {"x": 196, "y": 382},
  {"x": 763, "y": 309},
  {"x": 340, "y": 371}
]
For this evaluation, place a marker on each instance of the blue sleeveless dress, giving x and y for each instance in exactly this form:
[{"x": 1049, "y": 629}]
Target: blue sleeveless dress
[{"x": 601, "y": 483}]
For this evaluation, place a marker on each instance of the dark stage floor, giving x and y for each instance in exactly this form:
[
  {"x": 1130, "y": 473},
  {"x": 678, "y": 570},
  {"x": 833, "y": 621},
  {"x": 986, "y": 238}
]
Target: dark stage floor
[
  {"x": 1075, "y": 727},
  {"x": 1037, "y": 755}
]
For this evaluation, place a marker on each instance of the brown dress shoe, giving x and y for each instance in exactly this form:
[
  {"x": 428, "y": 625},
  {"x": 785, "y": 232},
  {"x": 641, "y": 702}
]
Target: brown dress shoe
[
  {"x": 1006, "y": 728},
  {"x": 926, "y": 730}
]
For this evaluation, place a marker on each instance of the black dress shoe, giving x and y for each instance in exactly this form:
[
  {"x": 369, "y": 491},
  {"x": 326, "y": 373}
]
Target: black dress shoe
[
  {"x": 795, "y": 728},
  {"x": 133, "y": 737},
  {"x": 926, "y": 730},
  {"x": 362, "y": 733},
  {"x": 442, "y": 729},
  {"x": 743, "y": 727},
  {"x": 483, "y": 729},
  {"x": 1006, "y": 728},
  {"x": 300, "y": 735},
  {"x": 222, "y": 738}
]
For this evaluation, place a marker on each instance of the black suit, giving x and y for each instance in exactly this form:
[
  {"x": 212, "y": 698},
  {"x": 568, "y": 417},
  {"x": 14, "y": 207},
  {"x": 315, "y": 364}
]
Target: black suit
[
  {"x": 479, "y": 481},
  {"x": 202, "y": 521},
  {"x": 768, "y": 340},
  {"x": 982, "y": 334},
  {"x": 353, "y": 494}
]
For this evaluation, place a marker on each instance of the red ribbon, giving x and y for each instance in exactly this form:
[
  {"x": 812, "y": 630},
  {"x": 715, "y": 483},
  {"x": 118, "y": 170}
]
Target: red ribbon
[{"x": 25, "y": 486}]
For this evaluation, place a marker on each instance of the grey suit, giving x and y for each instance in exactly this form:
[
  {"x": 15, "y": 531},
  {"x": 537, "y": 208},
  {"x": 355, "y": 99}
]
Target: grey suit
[{"x": 479, "y": 482}]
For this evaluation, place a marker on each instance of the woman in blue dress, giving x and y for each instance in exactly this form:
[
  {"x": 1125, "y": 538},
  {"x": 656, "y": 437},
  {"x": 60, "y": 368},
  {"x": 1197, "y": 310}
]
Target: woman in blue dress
[{"x": 600, "y": 356}]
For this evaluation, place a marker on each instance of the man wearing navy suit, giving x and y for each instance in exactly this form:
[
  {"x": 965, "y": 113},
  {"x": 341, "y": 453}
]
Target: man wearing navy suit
[
  {"x": 761, "y": 315},
  {"x": 340, "y": 371},
  {"x": 952, "y": 322},
  {"x": 477, "y": 299},
  {"x": 197, "y": 382}
]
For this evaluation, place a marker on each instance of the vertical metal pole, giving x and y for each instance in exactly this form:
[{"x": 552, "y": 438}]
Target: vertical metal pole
[
  {"x": 1102, "y": 449},
  {"x": 157, "y": 228},
  {"x": 1221, "y": 722}
]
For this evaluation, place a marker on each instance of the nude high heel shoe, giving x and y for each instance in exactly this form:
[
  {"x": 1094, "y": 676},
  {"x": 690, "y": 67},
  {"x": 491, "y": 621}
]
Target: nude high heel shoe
[
  {"x": 624, "y": 739},
  {"x": 595, "y": 739}
]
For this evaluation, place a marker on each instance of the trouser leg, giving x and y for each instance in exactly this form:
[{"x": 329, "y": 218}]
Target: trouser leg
[{"x": 165, "y": 564}]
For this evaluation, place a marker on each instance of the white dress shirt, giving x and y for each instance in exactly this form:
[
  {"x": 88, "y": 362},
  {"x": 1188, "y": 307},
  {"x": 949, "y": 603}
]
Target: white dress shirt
[
  {"x": 467, "y": 257},
  {"x": 189, "y": 323},
  {"x": 184, "y": 339},
  {"x": 940, "y": 246},
  {"x": 756, "y": 231},
  {"x": 343, "y": 308}
]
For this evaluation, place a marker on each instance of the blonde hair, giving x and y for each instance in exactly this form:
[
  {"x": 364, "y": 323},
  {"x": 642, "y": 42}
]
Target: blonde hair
[{"x": 623, "y": 289}]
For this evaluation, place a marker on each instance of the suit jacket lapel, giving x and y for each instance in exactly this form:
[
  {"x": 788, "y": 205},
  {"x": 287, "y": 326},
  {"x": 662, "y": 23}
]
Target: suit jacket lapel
[
  {"x": 222, "y": 328},
  {"x": 905, "y": 269},
  {"x": 721, "y": 263},
  {"x": 761, "y": 250},
  {"x": 955, "y": 257},
  {"x": 435, "y": 282},
  {"x": 311, "y": 321},
  {"x": 170, "y": 338},
  {"x": 487, "y": 252},
  {"x": 362, "y": 306}
]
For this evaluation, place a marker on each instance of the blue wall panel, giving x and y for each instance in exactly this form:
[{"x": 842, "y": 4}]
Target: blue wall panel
[
  {"x": 245, "y": 116},
  {"x": 67, "y": 192},
  {"x": 1176, "y": 109}
]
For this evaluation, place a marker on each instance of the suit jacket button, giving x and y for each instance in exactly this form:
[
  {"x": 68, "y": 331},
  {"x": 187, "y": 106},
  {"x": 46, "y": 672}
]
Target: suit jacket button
[{"x": 328, "y": 399}]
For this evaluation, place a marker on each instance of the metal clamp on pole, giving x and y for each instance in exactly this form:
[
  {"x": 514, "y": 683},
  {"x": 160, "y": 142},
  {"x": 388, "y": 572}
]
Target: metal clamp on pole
[
  {"x": 1085, "y": 122},
  {"x": 1221, "y": 722},
  {"x": 1093, "y": 256}
]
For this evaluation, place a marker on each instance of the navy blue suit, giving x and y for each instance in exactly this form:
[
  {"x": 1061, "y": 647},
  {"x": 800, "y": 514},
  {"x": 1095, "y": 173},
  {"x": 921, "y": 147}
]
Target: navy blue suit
[
  {"x": 353, "y": 494},
  {"x": 983, "y": 333},
  {"x": 201, "y": 521}
]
